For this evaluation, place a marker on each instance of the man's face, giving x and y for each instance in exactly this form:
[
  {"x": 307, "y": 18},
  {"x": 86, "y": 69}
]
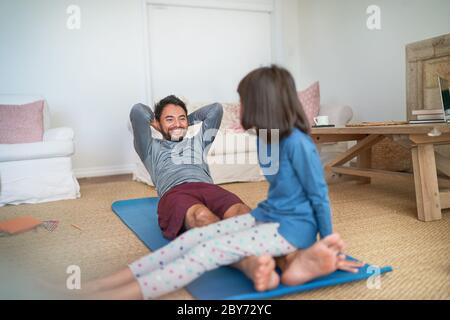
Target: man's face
[{"x": 173, "y": 122}]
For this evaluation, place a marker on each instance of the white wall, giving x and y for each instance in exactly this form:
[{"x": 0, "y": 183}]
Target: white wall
[
  {"x": 287, "y": 30},
  {"x": 362, "y": 68},
  {"x": 210, "y": 56},
  {"x": 91, "y": 77}
]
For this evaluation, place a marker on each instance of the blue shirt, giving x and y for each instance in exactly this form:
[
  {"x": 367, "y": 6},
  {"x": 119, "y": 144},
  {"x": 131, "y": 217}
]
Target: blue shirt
[{"x": 298, "y": 194}]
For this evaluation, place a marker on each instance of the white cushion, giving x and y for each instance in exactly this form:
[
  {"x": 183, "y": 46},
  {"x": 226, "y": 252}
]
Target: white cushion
[
  {"x": 24, "y": 99},
  {"x": 36, "y": 150},
  {"x": 223, "y": 169},
  {"x": 233, "y": 170},
  {"x": 229, "y": 142},
  {"x": 337, "y": 115},
  {"x": 58, "y": 134}
]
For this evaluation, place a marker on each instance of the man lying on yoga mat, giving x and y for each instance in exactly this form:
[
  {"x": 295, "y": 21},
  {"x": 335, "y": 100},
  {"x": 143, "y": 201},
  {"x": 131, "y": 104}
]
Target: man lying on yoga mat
[
  {"x": 286, "y": 223},
  {"x": 178, "y": 167}
]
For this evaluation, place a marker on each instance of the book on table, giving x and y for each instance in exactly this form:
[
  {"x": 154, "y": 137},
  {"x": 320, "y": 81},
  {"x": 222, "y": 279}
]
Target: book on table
[
  {"x": 427, "y": 112},
  {"x": 426, "y": 121}
]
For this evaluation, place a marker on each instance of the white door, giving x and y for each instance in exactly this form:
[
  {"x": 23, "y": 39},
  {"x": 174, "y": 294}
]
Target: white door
[{"x": 201, "y": 54}]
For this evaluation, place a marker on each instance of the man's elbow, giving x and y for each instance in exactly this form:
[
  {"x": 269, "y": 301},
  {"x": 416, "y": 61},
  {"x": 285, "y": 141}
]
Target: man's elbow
[
  {"x": 138, "y": 111},
  {"x": 218, "y": 108}
]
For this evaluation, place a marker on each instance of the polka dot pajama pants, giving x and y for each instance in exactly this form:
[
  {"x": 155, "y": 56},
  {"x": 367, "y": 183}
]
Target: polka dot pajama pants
[{"x": 202, "y": 249}]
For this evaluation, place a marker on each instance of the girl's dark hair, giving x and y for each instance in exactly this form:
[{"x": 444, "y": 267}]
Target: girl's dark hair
[
  {"x": 159, "y": 107},
  {"x": 269, "y": 100}
]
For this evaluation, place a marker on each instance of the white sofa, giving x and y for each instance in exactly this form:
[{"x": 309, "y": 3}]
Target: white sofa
[
  {"x": 233, "y": 156},
  {"x": 40, "y": 171}
]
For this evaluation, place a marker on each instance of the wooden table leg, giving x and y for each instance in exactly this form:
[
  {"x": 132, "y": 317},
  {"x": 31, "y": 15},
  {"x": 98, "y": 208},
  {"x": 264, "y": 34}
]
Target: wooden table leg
[
  {"x": 426, "y": 183},
  {"x": 365, "y": 161},
  {"x": 362, "y": 150}
]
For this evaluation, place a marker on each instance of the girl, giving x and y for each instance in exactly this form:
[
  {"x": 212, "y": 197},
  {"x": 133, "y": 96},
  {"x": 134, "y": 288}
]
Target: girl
[{"x": 285, "y": 224}]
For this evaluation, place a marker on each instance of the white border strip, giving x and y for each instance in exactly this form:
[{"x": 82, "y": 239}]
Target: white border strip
[{"x": 252, "y": 5}]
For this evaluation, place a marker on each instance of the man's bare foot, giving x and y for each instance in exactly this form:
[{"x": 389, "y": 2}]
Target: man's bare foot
[
  {"x": 261, "y": 270},
  {"x": 318, "y": 260}
]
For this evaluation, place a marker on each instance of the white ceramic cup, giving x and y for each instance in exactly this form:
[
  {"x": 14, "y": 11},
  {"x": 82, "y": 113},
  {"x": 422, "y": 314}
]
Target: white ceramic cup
[{"x": 321, "y": 121}]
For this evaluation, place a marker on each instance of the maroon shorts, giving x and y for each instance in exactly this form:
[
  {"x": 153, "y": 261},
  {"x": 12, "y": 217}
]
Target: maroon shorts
[{"x": 174, "y": 204}]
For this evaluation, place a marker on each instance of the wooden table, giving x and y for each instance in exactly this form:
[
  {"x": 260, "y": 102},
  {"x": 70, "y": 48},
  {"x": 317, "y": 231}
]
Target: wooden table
[{"x": 421, "y": 139}]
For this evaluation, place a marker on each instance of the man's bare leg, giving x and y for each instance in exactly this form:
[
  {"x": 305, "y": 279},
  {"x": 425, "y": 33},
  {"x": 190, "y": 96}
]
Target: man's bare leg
[
  {"x": 261, "y": 270},
  {"x": 122, "y": 284},
  {"x": 236, "y": 210},
  {"x": 199, "y": 216}
]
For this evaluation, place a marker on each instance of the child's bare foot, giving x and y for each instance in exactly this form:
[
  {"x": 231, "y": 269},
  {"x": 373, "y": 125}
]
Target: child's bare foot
[
  {"x": 318, "y": 260},
  {"x": 262, "y": 272}
]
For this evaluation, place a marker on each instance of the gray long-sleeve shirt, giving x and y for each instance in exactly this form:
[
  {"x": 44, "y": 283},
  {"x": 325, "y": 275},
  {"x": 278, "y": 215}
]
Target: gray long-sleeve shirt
[{"x": 171, "y": 163}]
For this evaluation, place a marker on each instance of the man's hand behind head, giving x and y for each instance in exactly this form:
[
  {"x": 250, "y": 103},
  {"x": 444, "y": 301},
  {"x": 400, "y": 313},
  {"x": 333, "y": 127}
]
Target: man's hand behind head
[{"x": 155, "y": 125}]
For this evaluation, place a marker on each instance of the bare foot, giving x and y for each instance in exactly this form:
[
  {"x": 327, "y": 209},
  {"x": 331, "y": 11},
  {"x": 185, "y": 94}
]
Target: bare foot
[
  {"x": 318, "y": 260},
  {"x": 262, "y": 272}
]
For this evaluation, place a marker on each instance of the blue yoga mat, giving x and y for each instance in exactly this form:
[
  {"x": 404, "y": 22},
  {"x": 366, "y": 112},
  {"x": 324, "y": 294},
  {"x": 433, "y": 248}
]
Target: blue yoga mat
[{"x": 225, "y": 282}]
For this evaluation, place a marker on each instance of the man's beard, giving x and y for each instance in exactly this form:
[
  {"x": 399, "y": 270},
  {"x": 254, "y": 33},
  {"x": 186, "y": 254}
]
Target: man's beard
[{"x": 175, "y": 138}]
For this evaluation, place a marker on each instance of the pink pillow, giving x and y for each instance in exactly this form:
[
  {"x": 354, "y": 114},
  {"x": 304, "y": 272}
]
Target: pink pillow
[
  {"x": 22, "y": 123},
  {"x": 310, "y": 99},
  {"x": 231, "y": 119}
]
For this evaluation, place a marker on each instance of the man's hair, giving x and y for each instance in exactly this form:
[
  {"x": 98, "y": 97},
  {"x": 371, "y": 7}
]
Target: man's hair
[
  {"x": 269, "y": 101},
  {"x": 159, "y": 107}
]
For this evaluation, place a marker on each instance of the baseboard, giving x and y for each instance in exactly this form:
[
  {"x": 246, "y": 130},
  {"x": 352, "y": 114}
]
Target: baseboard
[{"x": 104, "y": 171}]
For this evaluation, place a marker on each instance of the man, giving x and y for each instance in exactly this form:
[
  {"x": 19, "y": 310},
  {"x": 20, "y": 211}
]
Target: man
[{"x": 178, "y": 167}]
